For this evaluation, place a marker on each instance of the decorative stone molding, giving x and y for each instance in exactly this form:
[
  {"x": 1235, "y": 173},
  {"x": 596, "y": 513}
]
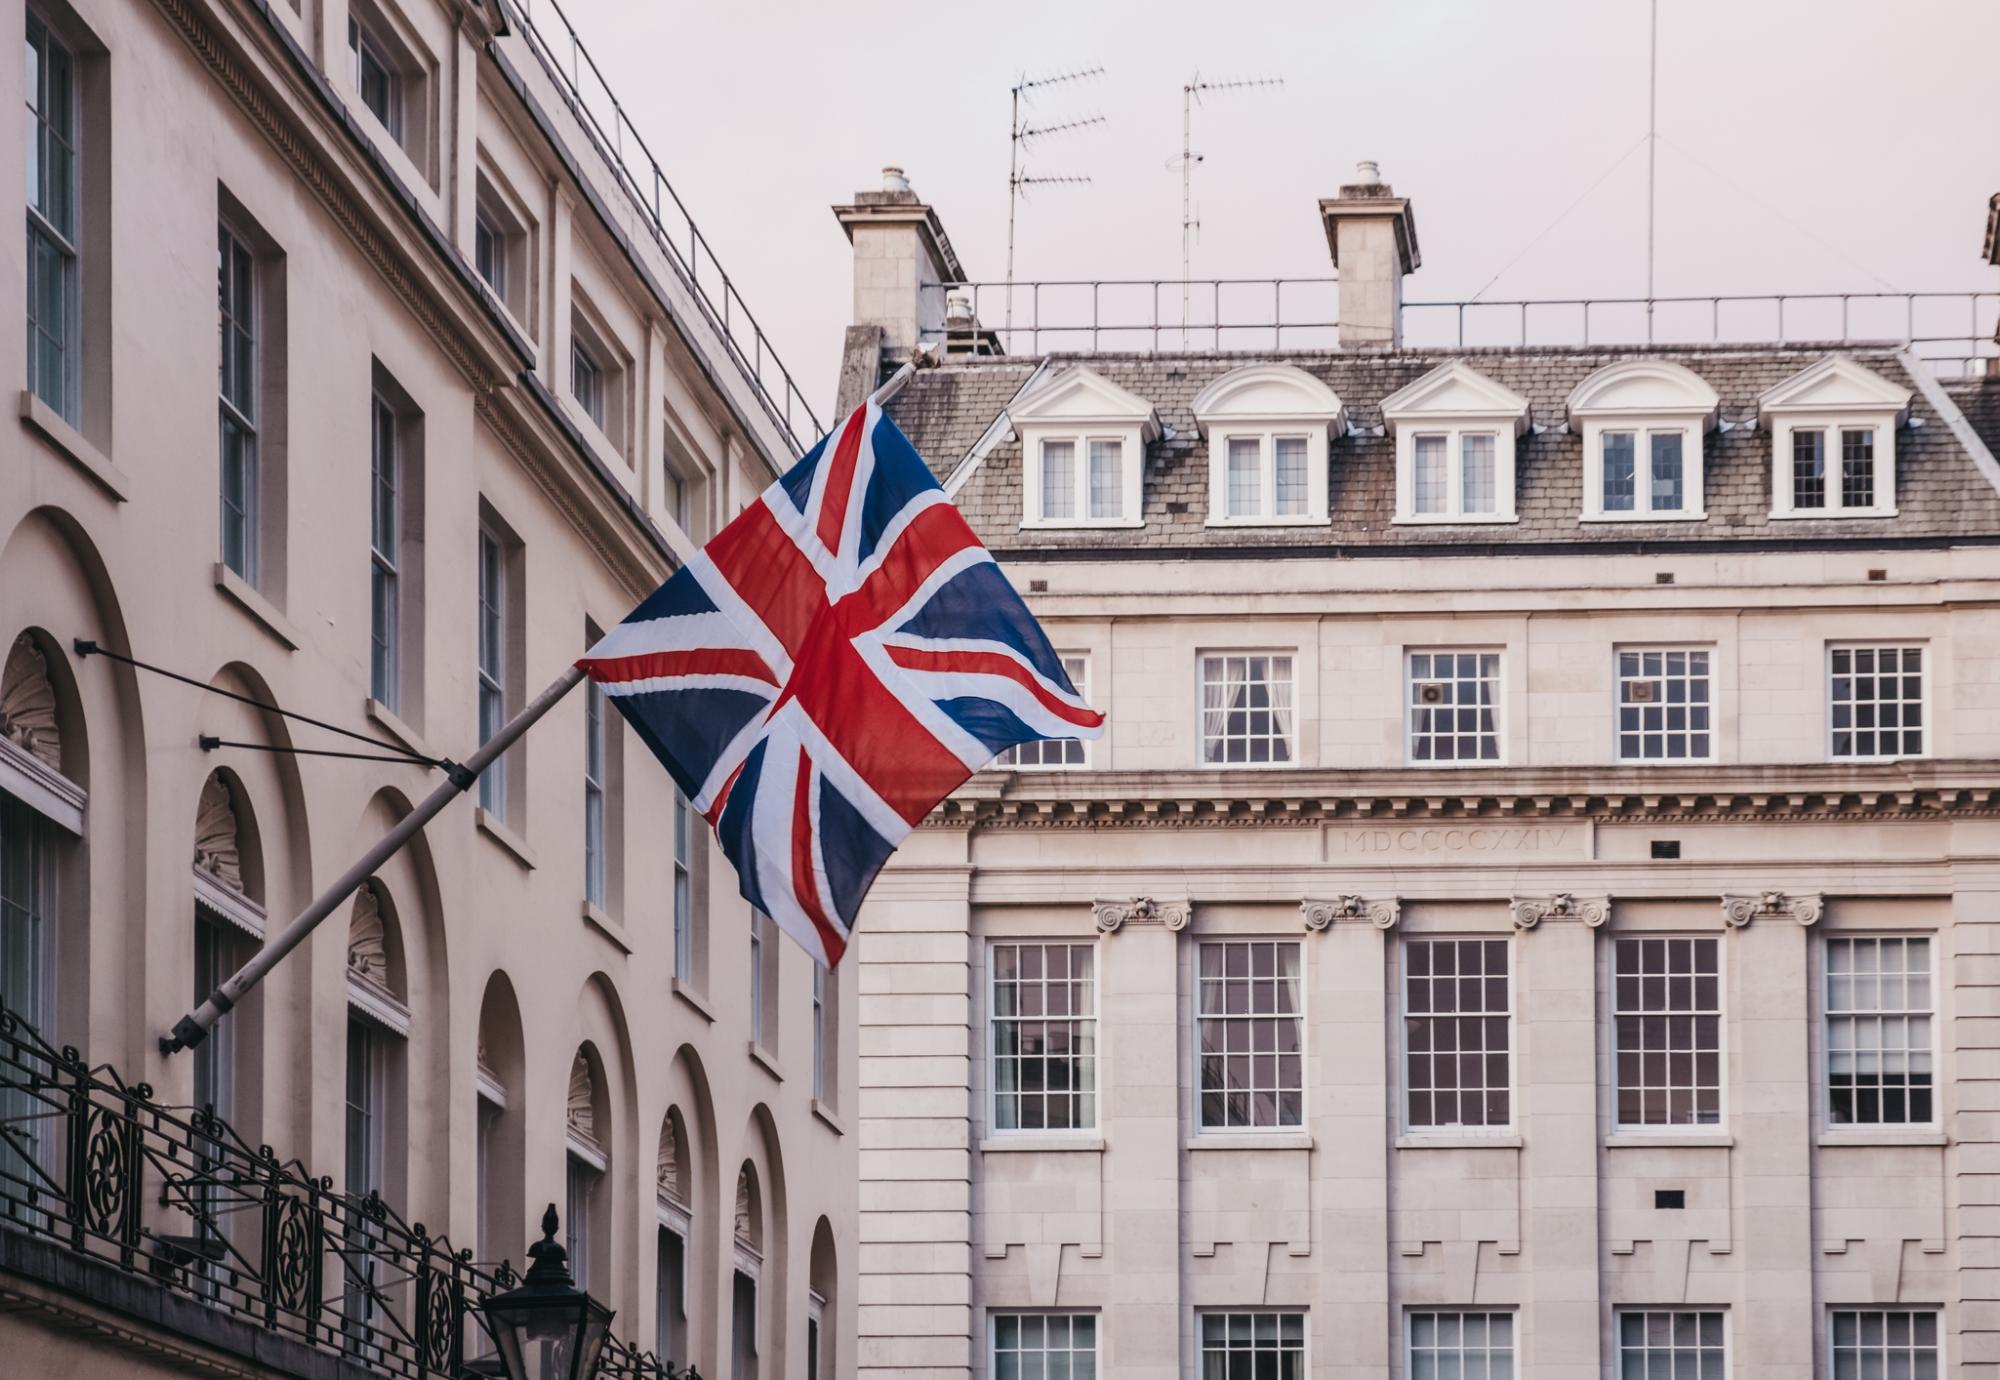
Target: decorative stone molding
[
  {"x": 1530, "y": 911},
  {"x": 28, "y": 704},
  {"x": 749, "y": 1230},
  {"x": 1382, "y": 914},
  {"x": 1111, "y": 916},
  {"x": 1738, "y": 911},
  {"x": 582, "y": 1114},
  {"x": 368, "y": 941},
  {"x": 216, "y": 851},
  {"x": 668, "y": 1181}
]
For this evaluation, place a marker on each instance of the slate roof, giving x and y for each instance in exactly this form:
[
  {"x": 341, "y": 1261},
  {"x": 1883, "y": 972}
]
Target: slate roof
[
  {"x": 1940, "y": 493},
  {"x": 1979, "y": 399}
]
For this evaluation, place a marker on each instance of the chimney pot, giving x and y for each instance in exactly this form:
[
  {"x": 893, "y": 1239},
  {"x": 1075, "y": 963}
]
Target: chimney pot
[
  {"x": 1368, "y": 172},
  {"x": 958, "y": 309},
  {"x": 894, "y": 181}
]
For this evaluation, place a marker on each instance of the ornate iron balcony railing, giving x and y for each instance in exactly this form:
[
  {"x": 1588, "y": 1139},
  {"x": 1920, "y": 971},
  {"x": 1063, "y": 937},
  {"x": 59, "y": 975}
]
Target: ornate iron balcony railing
[{"x": 99, "y": 1168}]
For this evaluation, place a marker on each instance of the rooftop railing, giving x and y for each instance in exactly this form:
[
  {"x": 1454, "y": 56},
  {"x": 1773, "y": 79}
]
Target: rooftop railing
[
  {"x": 101, "y": 1170},
  {"x": 1952, "y": 331},
  {"x": 597, "y": 108}
]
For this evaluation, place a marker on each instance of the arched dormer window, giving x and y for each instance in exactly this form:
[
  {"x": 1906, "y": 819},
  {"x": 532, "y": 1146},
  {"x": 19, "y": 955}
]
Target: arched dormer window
[
  {"x": 1833, "y": 441},
  {"x": 1642, "y": 422},
  {"x": 1083, "y": 452},
  {"x": 1267, "y": 428},
  {"x": 1455, "y": 431}
]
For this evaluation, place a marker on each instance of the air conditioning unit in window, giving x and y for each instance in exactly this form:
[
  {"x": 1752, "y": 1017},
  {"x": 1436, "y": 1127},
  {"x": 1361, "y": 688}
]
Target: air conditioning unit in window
[
  {"x": 1642, "y": 691},
  {"x": 1432, "y": 692}
]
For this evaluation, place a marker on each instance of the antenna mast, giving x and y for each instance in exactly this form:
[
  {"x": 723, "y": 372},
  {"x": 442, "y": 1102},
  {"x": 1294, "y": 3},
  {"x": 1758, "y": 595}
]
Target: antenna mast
[
  {"x": 1191, "y": 94},
  {"x": 1652, "y": 150},
  {"x": 1020, "y": 136}
]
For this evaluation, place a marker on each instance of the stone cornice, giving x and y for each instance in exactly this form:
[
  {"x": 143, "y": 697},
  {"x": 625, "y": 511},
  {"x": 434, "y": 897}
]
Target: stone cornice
[
  {"x": 449, "y": 311},
  {"x": 1807, "y": 793}
]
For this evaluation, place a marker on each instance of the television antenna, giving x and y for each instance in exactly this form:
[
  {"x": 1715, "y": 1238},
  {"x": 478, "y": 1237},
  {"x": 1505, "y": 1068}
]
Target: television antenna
[
  {"x": 1021, "y": 138},
  {"x": 1191, "y": 94}
]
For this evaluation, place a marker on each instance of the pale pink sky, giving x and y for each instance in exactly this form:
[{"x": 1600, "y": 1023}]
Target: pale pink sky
[{"x": 1806, "y": 145}]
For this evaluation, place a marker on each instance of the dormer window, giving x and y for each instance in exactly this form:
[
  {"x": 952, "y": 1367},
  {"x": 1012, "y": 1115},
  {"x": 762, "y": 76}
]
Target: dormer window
[
  {"x": 1267, "y": 428},
  {"x": 1642, "y": 422},
  {"x": 1833, "y": 441},
  {"x": 1083, "y": 447},
  {"x": 1455, "y": 433}
]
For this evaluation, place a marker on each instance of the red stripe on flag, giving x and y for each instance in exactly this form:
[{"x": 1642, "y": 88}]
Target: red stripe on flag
[
  {"x": 769, "y": 573},
  {"x": 993, "y": 664},
  {"x": 932, "y": 537},
  {"x": 805, "y": 879},
  {"x": 720, "y": 661},
  {"x": 713, "y": 814},
  {"x": 840, "y": 481}
]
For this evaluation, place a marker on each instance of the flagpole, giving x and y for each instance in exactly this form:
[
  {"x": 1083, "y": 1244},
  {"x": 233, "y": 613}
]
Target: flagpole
[{"x": 194, "y": 1027}]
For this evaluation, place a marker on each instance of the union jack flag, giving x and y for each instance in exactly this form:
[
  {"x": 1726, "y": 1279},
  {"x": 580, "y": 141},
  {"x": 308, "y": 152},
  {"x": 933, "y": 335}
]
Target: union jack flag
[{"x": 826, "y": 670}]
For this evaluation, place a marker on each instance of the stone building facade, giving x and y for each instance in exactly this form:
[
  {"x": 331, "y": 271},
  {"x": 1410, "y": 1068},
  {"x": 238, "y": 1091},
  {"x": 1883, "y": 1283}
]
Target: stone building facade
[
  {"x": 472, "y": 404},
  {"x": 1533, "y": 912}
]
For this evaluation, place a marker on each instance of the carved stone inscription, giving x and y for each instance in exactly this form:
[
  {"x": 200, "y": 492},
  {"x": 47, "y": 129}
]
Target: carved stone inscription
[{"x": 1473, "y": 841}]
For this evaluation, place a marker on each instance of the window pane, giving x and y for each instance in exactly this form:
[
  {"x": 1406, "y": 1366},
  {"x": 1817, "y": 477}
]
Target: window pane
[
  {"x": 1878, "y": 1030},
  {"x": 1808, "y": 469},
  {"x": 1664, "y": 705},
  {"x": 1857, "y": 468},
  {"x": 1107, "y": 479},
  {"x": 1875, "y": 702},
  {"x": 1044, "y": 1346},
  {"x": 1244, "y": 477},
  {"x": 1884, "y": 1344},
  {"x": 1454, "y": 699},
  {"x": 1673, "y": 1346},
  {"x": 1246, "y": 714},
  {"x": 1042, "y": 1042},
  {"x": 1249, "y": 1031},
  {"x": 1457, "y": 1034},
  {"x": 1620, "y": 488},
  {"x": 1476, "y": 455},
  {"x": 1667, "y": 490},
  {"x": 1291, "y": 475},
  {"x": 1463, "y": 1346},
  {"x": 1667, "y": 1023},
  {"x": 1058, "y": 479},
  {"x": 1430, "y": 482}
]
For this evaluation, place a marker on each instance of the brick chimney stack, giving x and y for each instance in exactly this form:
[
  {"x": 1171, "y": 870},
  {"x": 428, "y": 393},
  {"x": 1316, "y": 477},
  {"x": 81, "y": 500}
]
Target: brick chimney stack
[
  {"x": 1372, "y": 234},
  {"x": 902, "y": 257}
]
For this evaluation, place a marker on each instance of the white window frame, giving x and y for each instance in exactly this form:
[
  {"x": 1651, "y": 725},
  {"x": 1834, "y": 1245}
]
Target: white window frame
[
  {"x": 586, "y": 1165},
  {"x": 1201, "y": 659},
  {"x": 993, "y": 1127},
  {"x": 1454, "y": 439},
  {"x": 1499, "y": 709},
  {"x": 1303, "y": 1016},
  {"x": 1303, "y": 1312},
  {"x": 386, "y": 472},
  {"x": 1460, "y": 1311},
  {"x": 683, "y": 898},
  {"x": 1929, "y": 725},
  {"x": 596, "y": 797},
  {"x": 1619, "y": 1312},
  {"x": 68, "y": 245},
  {"x": 1077, "y": 666},
  {"x": 1131, "y": 468},
  {"x": 248, "y": 321},
  {"x": 1267, "y": 435},
  {"x": 1461, "y": 1131},
  {"x": 994, "y": 1315},
  {"x": 365, "y": 44},
  {"x": 1833, "y": 423},
  {"x": 1720, "y": 1128},
  {"x": 1826, "y": 1019},
  {"x": 1937, "y": 1312},
  {"x": 1642, "y": 429},
  {"x": 491, "y": 680},
  {"x": 1619, "y": 680}
]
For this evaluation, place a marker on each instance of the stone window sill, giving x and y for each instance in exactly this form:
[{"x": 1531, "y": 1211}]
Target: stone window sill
[
  {"x": 385, "y": 718},
  {"x": 510, "y": 842},
  {"x": 595, "y": 917},
  {"x": 827, "y": 1115},
  {"x": 1251, "y": 1140},
  {"x": 261, "y": 610},
  {"x": 765, "y": 1060},
  {"x": 1670, "y": 1140},
  {"x": 1860, "y": 1137},
  {"x": 685, "y": 991},
  {"x": 1458, "y": 1142},
  {"x": 1008, "y": 1142},
  {"x": 71, "y": 445}
]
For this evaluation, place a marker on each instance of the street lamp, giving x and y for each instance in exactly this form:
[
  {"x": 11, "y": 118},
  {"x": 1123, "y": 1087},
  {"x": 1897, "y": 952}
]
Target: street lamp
[{"x": 548, "y": 1329}]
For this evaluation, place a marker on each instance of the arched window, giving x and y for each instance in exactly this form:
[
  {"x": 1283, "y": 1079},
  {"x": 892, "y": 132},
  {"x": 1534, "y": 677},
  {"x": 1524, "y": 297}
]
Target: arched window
[
  {"x": 822, "y": 1304},
  {"x": 749, "y": 1260},
  {"x": 228, "y": 925},
  {"x": 674, "y": 1182},
  {"x": 586, "y": 1162},
  {"x": 378, "y": 1029}
]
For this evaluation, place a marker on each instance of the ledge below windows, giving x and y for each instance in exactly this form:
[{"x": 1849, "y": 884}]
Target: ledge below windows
[
  {"x": 1668, "y": 1140},
  {"x": 1009, "y": 1142},
  {"x": 510, "y": 842},
  {"x": 71, "y": 445},
  {"x": 1455, "y": 1141},
  {"x": 262, "y": 611},
  {"x": 765, "y": 1060},
  {"x": 1863, "y": 1137},
  {"x": 685, "y": 991},
  {"x": 1251, "y": 1140},
  {"x": 597, "y": 919}
]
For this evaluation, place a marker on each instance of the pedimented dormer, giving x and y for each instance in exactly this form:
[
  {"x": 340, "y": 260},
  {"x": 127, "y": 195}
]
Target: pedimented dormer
[
  {"x": 1455, "y": 431},
  {"x": 1644, "y": 424},
  {"x": 1267, "y": 428},
  {"x": 1083, "y": 451},
  {"x": 1833, "y": 441}
]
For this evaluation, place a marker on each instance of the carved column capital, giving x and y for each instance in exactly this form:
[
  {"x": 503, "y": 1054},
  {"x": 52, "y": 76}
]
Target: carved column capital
[
  {"x": 1738, "y": 911},
  {"x": 1530, "y": 911},
  {"x": 1111, "y": 916},
  {"x": 1382, "y": 912}
]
